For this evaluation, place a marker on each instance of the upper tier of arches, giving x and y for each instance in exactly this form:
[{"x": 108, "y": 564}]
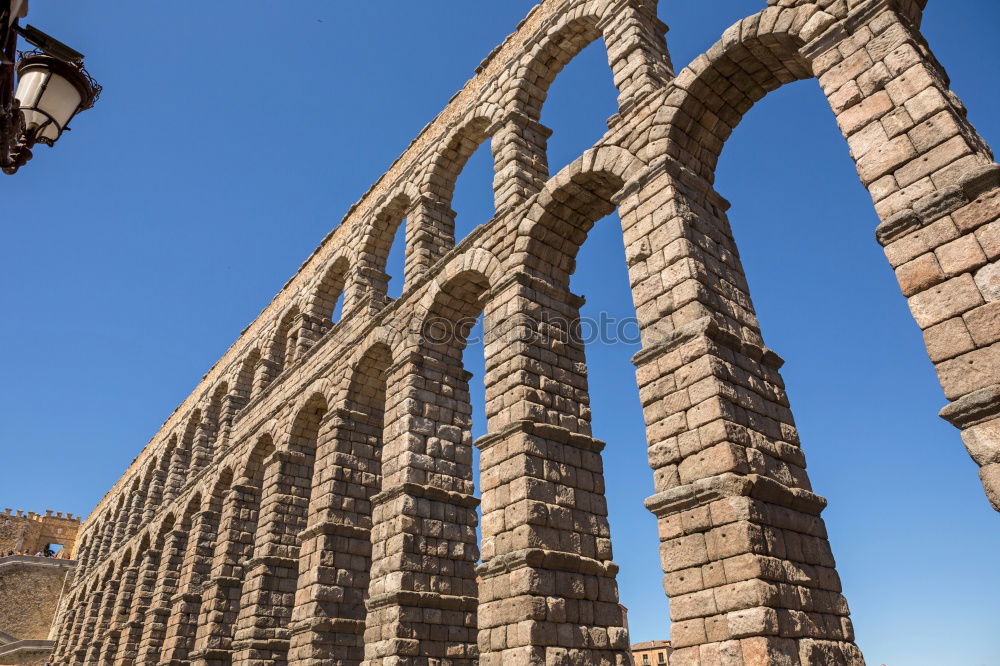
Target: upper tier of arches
[{"x": 501, "y": 102}]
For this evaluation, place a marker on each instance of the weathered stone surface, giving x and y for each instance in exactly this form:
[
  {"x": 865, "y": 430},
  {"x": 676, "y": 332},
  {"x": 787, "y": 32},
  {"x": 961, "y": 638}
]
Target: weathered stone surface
[
  {"x": 990, "y": 476},
  {"x": 312, "y": 500}
]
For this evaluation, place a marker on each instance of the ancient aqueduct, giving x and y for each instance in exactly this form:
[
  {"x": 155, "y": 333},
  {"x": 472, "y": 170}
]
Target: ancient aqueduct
[{"x": 312, "y": 501}]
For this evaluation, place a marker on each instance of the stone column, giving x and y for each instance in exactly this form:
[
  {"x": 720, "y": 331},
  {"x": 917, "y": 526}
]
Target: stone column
[
  {"x": 306, "y": 331},
  {"x": 132, "y": 632},
  {"x": 746, "y": 561},
  {"x": 67, "y": 621},
  {"x": 88, "y": 622},
  {"x": 520, "y": 146},
  {"x": 154, "y": 496},
  {"x": 106, "y": 536},
  {"x": 83, "y": 557},
  {"x": 328, "y": 620},
  {"x": 937, "y": 192},
  {"x": 105, "y": 615},
  {"x": 203, "y": 444},
  {"x": 547, "y": 590},
  {"x": 422, "y": 603},
  {"x": 230, "y": 406},
  {"x": 232, "y": 403},
  {"x": 262, "y": 633},
  {"x": 221, "y": 592},
  {"x": 366, "y": 287},
  {"x": 266, "y": 371},
  {"x": 135, "y": 504},
  {"x": 180, "y": 463},
  {"x": 637, "y": 50},
  {"x": 121, "y": 523},
  {"x": 155, "y": 626},
  {"x": 430, "y": 234},
  {"x": 185, "y": 607},
  {"x": 119, "y": 615}
]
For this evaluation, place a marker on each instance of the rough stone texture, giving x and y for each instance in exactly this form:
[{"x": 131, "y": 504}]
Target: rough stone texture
[
  {"x": 30, "y": 590},
  {"x": 312, "y": 501},
  {"x": 31, "y": 532}
]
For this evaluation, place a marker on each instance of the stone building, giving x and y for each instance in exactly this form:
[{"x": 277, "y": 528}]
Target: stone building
[
  {"x": 31, "y": 533},
  {"x": 651, "y": 653},
  {"x": 312, "y": 501},
  {"x": 31, "y": 587}
]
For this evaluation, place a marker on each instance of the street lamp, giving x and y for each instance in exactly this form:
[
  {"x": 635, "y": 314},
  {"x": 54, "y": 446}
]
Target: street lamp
[{"x": 52, "y": 87}]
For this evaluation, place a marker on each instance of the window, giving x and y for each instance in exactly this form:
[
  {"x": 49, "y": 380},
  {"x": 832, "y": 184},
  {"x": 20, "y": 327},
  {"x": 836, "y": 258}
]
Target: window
[
  {"x": 645, "y": 660},
  {"x": 661, "y": 659}
]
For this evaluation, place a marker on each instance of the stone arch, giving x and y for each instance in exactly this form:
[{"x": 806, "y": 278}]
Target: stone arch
[
  {"x": 323, "y": 389},
  {"x": 244, "y": 380},
  {"x": 191, "y": 507},
  {"x": 347, "y": 440},
  {"x": 217, "y": 417},
  {"x": 454, "y": 305},
  {"x": 222, "y": 483},
  {"x": 475, "y": 261},
  {"x": 366, "y": 382},
  {"x": 253, "y": 464},
  {"x": 329, "y": 289},
  {"x": 430, "y": 231},
  {"x": 137, "y": 497},
  {"x": 82, "y": 554},
  {"x": 305, "y": 425},
  {"x": 628, "y": 28},
  {"x": 164, "y": 525},
  {"x": 287, "y": 487},
  {"x": 376, "y": 242},
  {"x": 573, "y": 32},
  {"x": 118, "y": 521},
  {"x": 174, "y": 465},
  {"x": 126, "y": 558},
  {"x": 709, "y": 98},
  {"x": 191, "y": 451},
  {"x": 147, "y": 563},
  {"x": 103, "y": 526},
  {"x": 117, "y": 611},
  {"x": 557, "y": 224},
  {"x": 154, "y": 586},
  {"x": 387, "y": 337},
  {"x": 455, "y": 150},
  {"x": 152, "y": 482},
  {"x": 415, "y": 408},
  {"x": 99, "y": 611},
  {"x": 188, "y": 565},
  {"x": 914, "y": 149},
  {"x": 77, "y": 635},
  {"x": 238, "y": 496},
  {"x": 284, "y": 343},
  {"x": 452, "y": 309}
]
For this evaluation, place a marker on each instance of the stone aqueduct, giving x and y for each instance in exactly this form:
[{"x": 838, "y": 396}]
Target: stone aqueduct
[{"x": 312, "y": 501}]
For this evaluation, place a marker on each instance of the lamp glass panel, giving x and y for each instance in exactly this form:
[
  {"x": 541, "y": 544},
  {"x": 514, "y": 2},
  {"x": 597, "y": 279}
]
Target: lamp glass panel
[
  {"x": 29, "y": 86},
  {"x": 33, "y": 120},
  {"x": 60, "y": 100}
]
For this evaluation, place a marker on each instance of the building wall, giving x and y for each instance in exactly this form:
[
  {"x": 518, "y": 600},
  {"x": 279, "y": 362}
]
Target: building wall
[
  {"x": 29, "y": 594},
  {"x": 656, "y": 652}
]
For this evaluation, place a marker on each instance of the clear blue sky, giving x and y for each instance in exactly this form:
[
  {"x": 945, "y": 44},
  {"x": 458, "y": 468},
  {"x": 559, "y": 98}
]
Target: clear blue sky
[{"x": 233, "y": 135}]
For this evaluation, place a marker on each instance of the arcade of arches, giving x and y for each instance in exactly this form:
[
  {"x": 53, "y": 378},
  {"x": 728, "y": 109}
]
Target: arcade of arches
[{"x": 312, "y": 502}]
